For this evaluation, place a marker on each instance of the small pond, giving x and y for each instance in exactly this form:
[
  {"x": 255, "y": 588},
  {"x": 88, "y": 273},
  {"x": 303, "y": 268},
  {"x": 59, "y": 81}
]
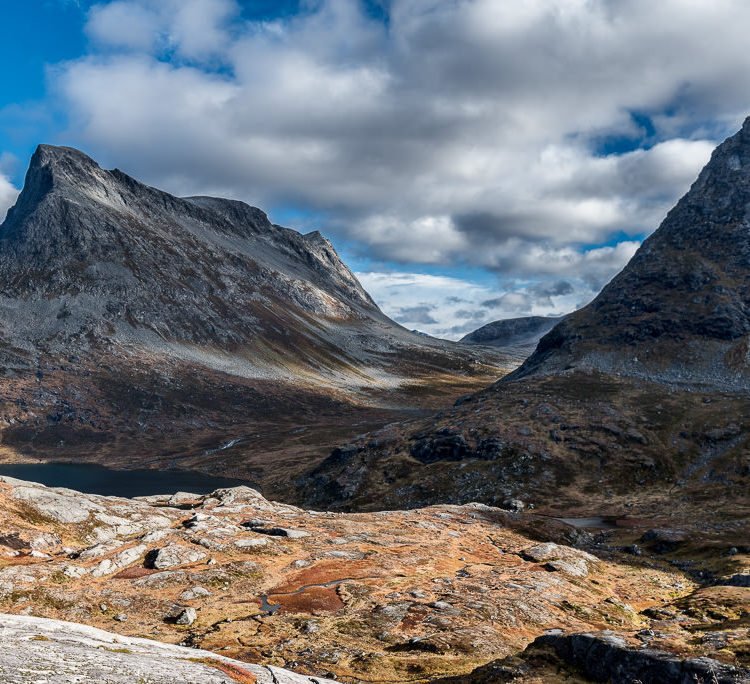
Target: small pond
[{"x": 96, "y": 479}]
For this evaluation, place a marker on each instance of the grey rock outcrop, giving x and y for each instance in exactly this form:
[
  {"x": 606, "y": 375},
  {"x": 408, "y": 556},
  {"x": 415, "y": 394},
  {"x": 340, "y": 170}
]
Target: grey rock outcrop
[
  {"x": 33, "y": 648},
  {"x": 606, "y": 657},
  {"x": 174, "y": 555}
]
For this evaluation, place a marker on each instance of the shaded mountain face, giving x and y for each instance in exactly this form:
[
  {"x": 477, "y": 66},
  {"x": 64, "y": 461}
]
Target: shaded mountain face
[
  {"x": 513, "y": 332},
  {"x": 125, "y": 310},
  {"x": 640, "y": 397},
  {"x": 680, "y": 310}
]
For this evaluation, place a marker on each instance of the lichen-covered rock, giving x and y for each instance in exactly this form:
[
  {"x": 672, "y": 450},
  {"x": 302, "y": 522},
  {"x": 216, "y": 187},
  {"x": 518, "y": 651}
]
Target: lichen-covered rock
[{"x": 62, "y": 505}]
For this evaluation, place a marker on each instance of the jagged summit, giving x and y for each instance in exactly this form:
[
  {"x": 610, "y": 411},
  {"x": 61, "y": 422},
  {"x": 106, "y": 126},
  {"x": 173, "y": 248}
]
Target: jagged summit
[
  {"x": 680, "y": 310},
  {"x": 61, "y": 161}
]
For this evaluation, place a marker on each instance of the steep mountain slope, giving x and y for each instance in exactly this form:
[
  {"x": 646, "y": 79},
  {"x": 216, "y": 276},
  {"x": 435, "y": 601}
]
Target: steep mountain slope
[
  {"x": 126, "y": 310},
  {"x": 640, "y": 397},
  {"x": 513, "y": 332},
  {"x": 679, "y": 312}
]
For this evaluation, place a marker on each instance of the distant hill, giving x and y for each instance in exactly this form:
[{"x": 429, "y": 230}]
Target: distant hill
[{"x": 513, "y": 332}]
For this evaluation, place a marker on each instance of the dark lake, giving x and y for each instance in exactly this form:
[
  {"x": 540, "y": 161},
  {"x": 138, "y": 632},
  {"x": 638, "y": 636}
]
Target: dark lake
[{"x": 96, "y": 479}]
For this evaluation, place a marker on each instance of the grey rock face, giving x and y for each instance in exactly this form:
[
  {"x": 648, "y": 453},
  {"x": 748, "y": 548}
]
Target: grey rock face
[
  {"x": 680, "y": 310},
  {"x": 106, "y": 251},
  {"x": 92, "y": 259},
  {"x": 606, "y": 658},
  {"x": 34, "y": 648}
]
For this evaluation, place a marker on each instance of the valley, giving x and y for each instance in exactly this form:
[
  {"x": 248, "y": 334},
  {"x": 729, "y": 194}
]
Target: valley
[{"x": 407, "y": 509}]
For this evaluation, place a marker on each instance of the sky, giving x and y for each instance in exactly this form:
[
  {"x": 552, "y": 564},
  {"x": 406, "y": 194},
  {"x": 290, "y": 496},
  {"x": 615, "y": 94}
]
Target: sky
[{"x": 470, "y": 159}]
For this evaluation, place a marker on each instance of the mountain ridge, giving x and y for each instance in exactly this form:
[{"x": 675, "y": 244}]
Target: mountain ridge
[{"x": 522, "y": 331}]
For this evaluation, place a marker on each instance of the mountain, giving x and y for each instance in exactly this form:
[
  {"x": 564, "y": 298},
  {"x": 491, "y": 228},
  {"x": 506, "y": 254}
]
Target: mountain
[
  {"x": 513, "y": 332},
  {"x": 640, "y": 397},
  {"x": 679, "y": 312},
  {"x": 109, "y": 261},
  {"x": 127, "y": 313}
]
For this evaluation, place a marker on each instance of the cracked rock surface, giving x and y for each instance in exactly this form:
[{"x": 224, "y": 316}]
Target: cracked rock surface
[{"x": 44, "y": 650}]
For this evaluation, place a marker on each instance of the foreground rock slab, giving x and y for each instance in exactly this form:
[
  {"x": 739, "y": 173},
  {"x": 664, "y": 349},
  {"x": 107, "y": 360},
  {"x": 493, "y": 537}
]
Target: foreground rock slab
[{"x": 43, "y": 650}]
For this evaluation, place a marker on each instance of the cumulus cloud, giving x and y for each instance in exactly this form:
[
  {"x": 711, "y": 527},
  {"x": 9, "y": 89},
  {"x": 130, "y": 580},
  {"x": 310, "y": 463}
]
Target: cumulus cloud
[
  {"x": 522, "y": 138},
  {"x": 8, "y": 193},
  {"x": 191, "y": 29}
]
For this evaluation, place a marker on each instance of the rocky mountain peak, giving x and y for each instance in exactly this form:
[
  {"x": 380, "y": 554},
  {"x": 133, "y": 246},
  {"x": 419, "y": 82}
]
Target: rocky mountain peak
[
  {"x": 60, "y": 159},
  {"x": 50, "y": 168},
  {"x": 679, "y": 312},
  {"x": 107, "y": 257}
]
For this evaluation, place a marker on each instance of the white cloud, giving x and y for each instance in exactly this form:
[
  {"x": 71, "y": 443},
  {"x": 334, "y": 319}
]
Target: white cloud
[
  {"x": 8, "y": 193},
  {"x": 458, "y": 107},
  {"x": 193, "y": 29},
  {"x": 595, "y": 266},
  {"x": 426, "y": 240},
  {"x": 124, "y": 25}
]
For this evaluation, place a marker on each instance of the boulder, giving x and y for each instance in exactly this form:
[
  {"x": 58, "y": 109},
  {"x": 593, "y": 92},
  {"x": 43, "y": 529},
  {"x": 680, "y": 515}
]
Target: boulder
[
  {"x": 173, "y": 556},
  {"x": 280, "y": 532},
  {"x": 194, "y": 593},
  {"x": 120, "y": 561},
  {"x": 186, "y": 617}
]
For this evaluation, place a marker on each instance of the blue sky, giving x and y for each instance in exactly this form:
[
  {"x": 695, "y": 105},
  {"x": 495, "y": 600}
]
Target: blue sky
[{"x": 470, "y": 159}]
